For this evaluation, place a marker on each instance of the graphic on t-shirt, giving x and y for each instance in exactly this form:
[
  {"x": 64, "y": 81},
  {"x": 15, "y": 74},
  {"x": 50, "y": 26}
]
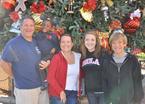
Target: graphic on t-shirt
[{"x": 91, "y": 61}]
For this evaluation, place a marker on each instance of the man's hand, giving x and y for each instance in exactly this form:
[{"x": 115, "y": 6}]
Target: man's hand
[{"x": 44, "y": 64}]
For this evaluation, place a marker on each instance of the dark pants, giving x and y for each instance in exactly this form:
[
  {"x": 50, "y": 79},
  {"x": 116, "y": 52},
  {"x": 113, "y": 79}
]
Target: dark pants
[
  {"x": 71, "y": 98},
  {"x": 95, "y": 98},
  {"x": 43, "y": 75}
]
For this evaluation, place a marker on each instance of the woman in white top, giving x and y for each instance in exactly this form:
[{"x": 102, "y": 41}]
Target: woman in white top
[{"x": 63, "y": 74}]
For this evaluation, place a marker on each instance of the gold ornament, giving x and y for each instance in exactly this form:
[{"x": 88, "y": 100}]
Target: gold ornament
[
  {"x": 38, "y": 22},
  {"x": 51, "y": 2},
  {"x": 108, "y": 2},
  {"x": 87, "y": 15},
  {"x": 103, "y": 37},
  {"x": 103, "y": 34}
]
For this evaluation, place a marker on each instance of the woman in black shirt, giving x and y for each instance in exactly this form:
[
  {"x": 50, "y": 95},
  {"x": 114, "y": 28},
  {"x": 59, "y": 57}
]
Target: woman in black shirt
[{"x": 91, "y": 66}]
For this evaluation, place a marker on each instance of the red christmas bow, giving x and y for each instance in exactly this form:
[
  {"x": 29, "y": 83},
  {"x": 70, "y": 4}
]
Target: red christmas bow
[
  {"x": 90, "y": 5},
  {"x": 38, "y": 7},
  {"x": 14, "y": 16}
]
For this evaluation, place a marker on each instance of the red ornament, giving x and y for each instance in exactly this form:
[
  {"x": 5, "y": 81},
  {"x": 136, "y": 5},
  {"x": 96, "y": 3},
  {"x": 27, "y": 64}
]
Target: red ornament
[
  {"x": 14, "y": 16},
  {"x": 38, "y": 7},
  {"x": 90, "y": 5},
  {"x": 115, "y": 24},
  {"x": 58, "y": 32},
  {"x": 132, "y": 25},
  {"x": 8, "y": 4},
  {"x": 136, "y": 51}
]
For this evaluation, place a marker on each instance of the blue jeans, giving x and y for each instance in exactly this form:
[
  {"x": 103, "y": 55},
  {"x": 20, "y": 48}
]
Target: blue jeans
[
  {"x": 71, "y": 98},
  {"x": 95, "y": 98},
  {"x": 55, "y": 100}
]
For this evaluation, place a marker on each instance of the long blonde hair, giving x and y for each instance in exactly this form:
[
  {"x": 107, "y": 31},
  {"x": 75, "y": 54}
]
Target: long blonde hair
[{"x": 97, "y": 47}]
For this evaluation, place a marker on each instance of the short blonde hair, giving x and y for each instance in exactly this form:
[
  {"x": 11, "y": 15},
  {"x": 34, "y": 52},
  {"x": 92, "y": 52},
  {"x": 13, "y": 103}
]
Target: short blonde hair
[{"x": 116, "y": 36}]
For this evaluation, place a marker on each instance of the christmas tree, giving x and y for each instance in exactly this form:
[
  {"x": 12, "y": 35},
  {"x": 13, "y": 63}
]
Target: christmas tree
[{"x": 78, "y": 16}]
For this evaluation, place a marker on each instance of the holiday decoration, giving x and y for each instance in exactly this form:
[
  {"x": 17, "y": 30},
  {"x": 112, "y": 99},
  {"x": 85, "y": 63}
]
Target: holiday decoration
[
  {"x": 15, "y": 27},
  {"x": 70, "y": 7},
  {"x": 21, "y": 5},
  {"x": 104, "y": 8},
  {"x": 133, "y": 23},
  {"x": 115, "y": 24},
  {"x": 136, "y": 51},
  {"x": 105, "y": 12},
  {"x": 141, "y": 55},
  {"x": 86, "y": 10},
  {"x": 108, "y": 2},
  {"x": 38, "y": 21},
  {"x": 8, "y": 4},
  {"x": 90, "y": 5},
  {"x": 87, "y": 15},
  {"x": 103, "y": 36},
  {"x": 14, "y": 16},
  {"x": 50, "y": 2},
  {"x": 132, "y": 3},
  {"x": 59, "y": 31},
  {"x": 38, "y": 7},
  {"x": 104, "y": 43}
]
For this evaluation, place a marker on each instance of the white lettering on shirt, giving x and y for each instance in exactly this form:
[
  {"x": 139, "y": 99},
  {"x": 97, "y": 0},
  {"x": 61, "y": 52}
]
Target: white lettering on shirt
[{"x": 90, "y": 61}]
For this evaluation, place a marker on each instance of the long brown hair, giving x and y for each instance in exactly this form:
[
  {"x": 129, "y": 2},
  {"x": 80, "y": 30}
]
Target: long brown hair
[{"x": 97, "y": 47}]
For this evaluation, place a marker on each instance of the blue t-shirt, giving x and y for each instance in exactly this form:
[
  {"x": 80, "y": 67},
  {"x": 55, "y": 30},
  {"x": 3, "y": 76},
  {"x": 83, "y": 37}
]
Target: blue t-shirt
[{"x": 24, "y": 57}]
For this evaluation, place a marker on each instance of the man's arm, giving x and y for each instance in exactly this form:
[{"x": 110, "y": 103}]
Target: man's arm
[{"x": 6, "y": 67}]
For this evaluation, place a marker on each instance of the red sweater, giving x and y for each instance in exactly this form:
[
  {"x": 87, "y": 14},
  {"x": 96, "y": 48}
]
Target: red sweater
[{"x": 57, "y": 75}]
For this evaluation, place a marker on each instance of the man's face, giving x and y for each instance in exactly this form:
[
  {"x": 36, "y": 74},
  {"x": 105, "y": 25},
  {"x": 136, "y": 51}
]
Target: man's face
[{"x": 28, "y": 28}]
